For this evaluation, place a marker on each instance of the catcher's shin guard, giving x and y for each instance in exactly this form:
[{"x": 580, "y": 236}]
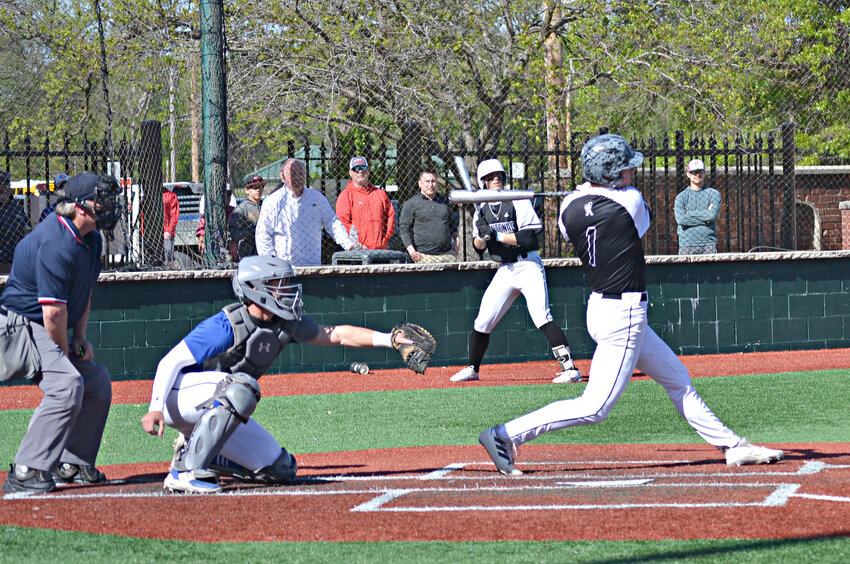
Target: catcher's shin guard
[{"x": 234, "y": 401}]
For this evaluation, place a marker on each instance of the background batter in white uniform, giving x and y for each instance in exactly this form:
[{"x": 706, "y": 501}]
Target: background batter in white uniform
[
  {"x": 508, "y": 230},
  {"x": 604, "y": 219}
]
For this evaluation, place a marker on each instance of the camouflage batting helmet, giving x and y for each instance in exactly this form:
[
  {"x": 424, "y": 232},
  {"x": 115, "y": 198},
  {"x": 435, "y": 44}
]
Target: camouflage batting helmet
[{"x": 604, "y": 158}]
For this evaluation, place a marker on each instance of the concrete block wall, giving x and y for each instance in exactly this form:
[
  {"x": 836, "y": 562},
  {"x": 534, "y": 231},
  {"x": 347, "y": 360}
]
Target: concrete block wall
[{"x": 699, "y": 305}]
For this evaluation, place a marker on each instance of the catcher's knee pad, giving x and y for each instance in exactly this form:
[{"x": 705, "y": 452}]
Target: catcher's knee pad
[
  {"x": 235, "y": 399},
  {"x": 281, "y": 471}
]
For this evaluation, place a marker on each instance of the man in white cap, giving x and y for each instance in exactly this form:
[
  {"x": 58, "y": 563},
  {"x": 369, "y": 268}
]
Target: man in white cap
[{"x": 697, "y": 207}]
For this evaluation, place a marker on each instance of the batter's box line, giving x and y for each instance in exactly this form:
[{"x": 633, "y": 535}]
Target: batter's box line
[
  {"x": 807, "y": 468},
  {"x": 778, "y": 498}
]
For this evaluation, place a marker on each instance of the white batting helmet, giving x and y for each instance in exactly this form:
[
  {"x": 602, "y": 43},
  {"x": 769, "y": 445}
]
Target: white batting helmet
[
  {"x": 263, "y": 280},
  {"x": 489, "y": 167}
]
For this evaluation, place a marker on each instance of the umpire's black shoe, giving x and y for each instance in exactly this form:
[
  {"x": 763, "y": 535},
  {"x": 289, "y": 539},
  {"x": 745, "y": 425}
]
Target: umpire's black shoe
[
  {"x": 68, "y": 473},
  {"x": 25, "y": 479}
]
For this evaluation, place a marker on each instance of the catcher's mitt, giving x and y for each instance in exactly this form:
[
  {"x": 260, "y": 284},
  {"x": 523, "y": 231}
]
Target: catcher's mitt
[{"x": 417, "y": 354}]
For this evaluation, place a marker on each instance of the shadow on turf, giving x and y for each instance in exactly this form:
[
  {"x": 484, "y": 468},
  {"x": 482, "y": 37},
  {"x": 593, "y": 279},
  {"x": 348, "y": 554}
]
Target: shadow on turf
[{"x": 734, "y": 553}]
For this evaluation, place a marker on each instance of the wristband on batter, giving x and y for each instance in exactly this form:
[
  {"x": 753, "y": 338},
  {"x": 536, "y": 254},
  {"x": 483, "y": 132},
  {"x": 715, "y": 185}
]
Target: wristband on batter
[
  {"x": 382, "y": 340},
  {"x": 500, "y": 237}
]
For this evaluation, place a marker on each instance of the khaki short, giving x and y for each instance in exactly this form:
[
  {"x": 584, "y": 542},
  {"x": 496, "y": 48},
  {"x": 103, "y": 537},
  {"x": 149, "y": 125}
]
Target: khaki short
[{"x": 445, "y": 257}]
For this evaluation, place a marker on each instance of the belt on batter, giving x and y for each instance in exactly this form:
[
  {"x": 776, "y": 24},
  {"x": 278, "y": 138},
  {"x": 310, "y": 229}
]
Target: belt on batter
[
  {"x": 644, "y": 297},
  {"x": 519, "y": 258}
]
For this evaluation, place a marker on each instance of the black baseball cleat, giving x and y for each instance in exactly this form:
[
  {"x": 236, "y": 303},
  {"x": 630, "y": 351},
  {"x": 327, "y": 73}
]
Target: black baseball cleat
[
  {"x": 68, "y": 473},
  {"x": 31, "y": 480},
  {"x": 500, "y": 449}
]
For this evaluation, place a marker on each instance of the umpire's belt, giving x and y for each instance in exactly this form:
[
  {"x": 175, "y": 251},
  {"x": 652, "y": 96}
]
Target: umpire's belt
[{"x": 644, "y": 297}]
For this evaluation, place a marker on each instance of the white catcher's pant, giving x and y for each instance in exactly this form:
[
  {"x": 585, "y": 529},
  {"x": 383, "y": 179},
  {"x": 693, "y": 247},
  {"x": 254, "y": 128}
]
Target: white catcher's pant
[
  {"x": 526, "y": 277},
  {"x": 250, "y": 445},
  {"x": 624, "y": 341}
]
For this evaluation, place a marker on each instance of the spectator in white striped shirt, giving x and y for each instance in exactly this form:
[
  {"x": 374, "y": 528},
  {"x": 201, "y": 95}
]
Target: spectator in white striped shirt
[{"x": 292, "y": 218}]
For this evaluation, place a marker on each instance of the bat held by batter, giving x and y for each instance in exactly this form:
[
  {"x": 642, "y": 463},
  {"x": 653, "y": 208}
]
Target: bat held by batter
[{"x": 479, "y": 196}]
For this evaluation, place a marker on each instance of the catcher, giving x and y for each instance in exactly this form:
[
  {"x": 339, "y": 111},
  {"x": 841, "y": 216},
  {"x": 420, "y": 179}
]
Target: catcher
[{"x": 206, "y": 386}]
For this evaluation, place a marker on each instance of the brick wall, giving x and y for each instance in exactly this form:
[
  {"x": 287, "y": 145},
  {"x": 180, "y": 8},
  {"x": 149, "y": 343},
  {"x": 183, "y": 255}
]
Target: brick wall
[{"x": 718, "y": 304}]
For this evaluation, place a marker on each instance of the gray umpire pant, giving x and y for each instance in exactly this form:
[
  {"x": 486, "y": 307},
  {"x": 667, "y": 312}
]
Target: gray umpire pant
[{"x": 68, "y": 425}]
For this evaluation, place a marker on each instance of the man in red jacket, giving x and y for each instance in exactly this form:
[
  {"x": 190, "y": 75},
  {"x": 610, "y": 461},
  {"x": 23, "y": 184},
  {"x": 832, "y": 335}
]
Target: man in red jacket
[
  {"x": 170, "y": 215},
  {"x": 366, "y": 207}
]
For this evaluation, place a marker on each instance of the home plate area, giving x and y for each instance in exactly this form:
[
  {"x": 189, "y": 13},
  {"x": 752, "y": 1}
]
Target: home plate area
[{"x": 454, "y": 493}]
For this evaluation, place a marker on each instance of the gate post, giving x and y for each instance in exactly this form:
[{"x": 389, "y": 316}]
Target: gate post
[{"x": 150, "y": 179}]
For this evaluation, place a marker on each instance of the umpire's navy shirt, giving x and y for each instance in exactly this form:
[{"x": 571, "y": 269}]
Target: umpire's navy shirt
[{"x": 53, "y": 265}]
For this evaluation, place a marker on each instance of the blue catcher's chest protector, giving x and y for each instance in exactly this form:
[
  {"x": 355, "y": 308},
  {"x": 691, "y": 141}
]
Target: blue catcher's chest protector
[{"x": 254, "y": 347}]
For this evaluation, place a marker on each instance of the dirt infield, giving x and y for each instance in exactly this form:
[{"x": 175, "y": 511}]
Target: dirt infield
[
  {"x": 590, "y": 492},
  {"x": 568, "y": 492}
]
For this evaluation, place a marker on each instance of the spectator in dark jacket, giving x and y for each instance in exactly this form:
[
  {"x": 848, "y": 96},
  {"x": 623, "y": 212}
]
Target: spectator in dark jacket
[
  {"x": 243, "y": 222},
  {"x": 428, "y": 224}
]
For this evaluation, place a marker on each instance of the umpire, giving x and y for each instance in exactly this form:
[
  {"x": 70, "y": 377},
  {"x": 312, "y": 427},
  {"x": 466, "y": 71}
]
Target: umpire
[{"x": 53, "y": 272}]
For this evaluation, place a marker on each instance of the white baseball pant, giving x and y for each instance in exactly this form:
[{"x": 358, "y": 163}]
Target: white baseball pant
[
  {"x": 526, "y": 277},
  {"x": 250, "y": 445},
  {"x": 624, "y": 341}
]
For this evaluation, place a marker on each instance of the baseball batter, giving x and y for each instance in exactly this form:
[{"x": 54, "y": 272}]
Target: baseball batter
[
  {"x": 206, "y": 386},
  {"x": 508, "y": 230},
  {"x": 604, "y": 219}
]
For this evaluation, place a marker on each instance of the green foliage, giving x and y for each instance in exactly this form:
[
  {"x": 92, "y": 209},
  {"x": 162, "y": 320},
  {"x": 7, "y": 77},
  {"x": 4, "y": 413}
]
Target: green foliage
[{"x": 474, "y": 74}]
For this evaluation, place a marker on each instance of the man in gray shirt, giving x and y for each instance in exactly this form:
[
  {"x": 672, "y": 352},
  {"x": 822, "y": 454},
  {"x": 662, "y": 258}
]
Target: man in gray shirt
[
  {"x": 428, "y": 224},
  {"x": 697, "y": 207}
]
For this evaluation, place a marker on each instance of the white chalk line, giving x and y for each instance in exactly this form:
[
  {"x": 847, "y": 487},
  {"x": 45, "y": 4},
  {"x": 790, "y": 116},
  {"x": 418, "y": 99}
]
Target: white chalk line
[{"x": 779, "y": 497}]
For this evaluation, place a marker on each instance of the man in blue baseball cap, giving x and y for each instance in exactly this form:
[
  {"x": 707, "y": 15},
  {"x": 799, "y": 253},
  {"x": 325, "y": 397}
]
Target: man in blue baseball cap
[
  {"x": 53, "y": 273},
  {"x": 53, "y": 197}
]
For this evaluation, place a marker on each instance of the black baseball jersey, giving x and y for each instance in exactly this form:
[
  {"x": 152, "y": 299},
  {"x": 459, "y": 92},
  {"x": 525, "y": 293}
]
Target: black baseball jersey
[
  {"x": 510, "y": 217},
  {"x": 605, "y": 226}
]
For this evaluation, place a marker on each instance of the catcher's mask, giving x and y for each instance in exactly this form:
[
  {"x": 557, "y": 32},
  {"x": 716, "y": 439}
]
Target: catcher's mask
[
  {"x": 103, "y": 190},
  {"x": 264, "y": 280},
  {"x": 605, "y": 157}
]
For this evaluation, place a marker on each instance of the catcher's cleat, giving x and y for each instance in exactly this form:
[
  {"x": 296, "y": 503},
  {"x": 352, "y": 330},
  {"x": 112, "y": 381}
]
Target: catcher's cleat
[
  {"x": 501, "y": 449},
  {"x": 180, "y": 446},
  {"x": 468, "y": 374},
  {"x": 25, "y": 479},
  {"x": 569, "y": 376},
  {"x": 187, "y": 482},
  {"x": 747, "y": 453},
  {"x": 67, "y": 473}
]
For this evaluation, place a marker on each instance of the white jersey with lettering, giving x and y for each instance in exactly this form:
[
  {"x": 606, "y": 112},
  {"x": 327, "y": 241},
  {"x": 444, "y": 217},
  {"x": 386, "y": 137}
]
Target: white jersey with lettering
[{"x": 521, "y": 270}]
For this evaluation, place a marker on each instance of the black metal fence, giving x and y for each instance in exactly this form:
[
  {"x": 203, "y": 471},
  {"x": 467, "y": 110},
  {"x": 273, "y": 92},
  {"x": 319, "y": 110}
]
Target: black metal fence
[{"x": 755, "y": 175}]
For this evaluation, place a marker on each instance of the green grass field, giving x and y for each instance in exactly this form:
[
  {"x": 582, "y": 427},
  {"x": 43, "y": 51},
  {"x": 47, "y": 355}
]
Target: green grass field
[{"x": 767, "y": 408}]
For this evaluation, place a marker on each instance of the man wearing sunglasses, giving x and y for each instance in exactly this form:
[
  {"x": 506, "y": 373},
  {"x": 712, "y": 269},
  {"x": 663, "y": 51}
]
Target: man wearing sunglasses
[
  {"x": 53, "y": 273},
  {"x": 366, "y": 207}
]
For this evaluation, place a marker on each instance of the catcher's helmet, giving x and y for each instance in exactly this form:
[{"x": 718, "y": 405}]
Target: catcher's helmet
[
  {"x": 263, "y": 280},
  {"x": 489, "y": 167},
  {"x": 604, "y": 158}
]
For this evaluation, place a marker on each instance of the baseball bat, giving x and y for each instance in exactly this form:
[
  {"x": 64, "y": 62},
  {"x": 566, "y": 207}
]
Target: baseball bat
[
  {"x": 467, "y": 182},
  {"x": 480, "y": 196},
  {"x": 464, "y": 173}
]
